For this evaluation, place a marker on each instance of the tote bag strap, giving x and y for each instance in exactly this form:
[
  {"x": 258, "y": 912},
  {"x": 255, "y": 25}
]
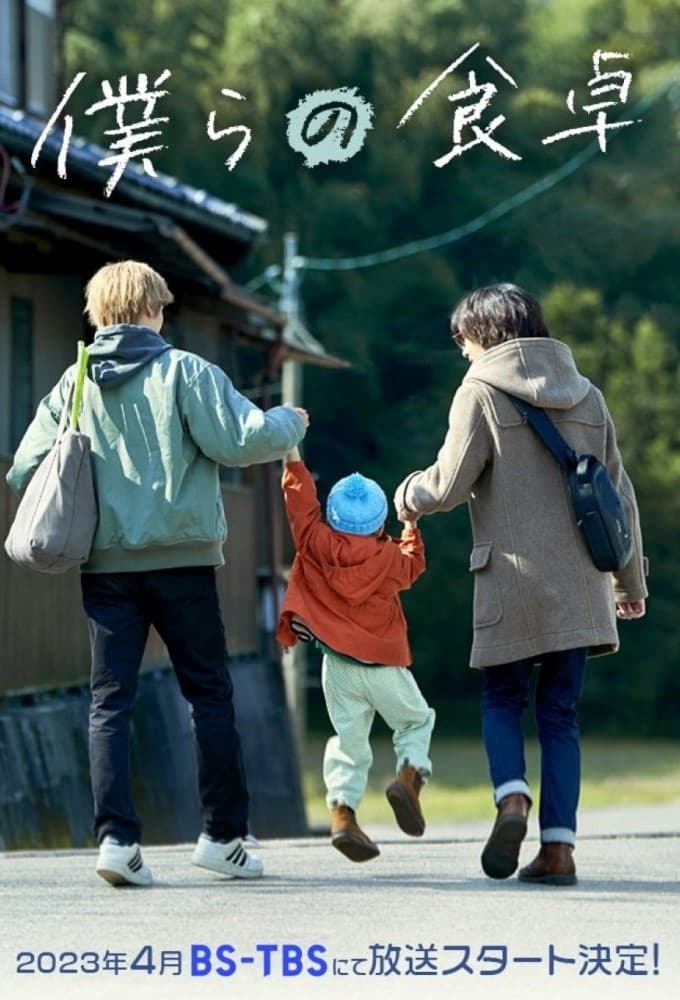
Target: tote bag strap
[{"x": 66, "y": 411}]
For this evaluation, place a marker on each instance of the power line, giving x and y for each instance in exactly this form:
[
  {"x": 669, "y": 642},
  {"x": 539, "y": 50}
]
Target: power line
[
  {"x": 499, "y": 210},
  {"x": 266, "y": 278}
]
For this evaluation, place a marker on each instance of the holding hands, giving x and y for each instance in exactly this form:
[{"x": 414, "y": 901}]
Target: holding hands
[
  {"x": 404, "y": 514},
  {"x": 628, "y": 610},
  {"x": 407, "y": 516},
  {"x": 302, "y": 414},
  {"x": 294, "y": 454}
]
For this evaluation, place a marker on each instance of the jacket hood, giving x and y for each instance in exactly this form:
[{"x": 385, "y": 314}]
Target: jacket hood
[
  {"x": 118, "y": 352},
  {"x": 539, "y": 370},
  {"x": 357, "y": 565}
]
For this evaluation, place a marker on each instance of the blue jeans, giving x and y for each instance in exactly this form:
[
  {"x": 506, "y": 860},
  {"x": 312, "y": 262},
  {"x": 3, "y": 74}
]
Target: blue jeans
[
  {"x": 183, "y": 606},
  {"x": 505, "y": 695}
]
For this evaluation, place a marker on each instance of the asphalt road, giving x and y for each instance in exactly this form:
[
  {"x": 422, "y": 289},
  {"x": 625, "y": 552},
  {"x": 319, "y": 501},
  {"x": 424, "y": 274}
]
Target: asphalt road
[{"x": 421, "y": 921}]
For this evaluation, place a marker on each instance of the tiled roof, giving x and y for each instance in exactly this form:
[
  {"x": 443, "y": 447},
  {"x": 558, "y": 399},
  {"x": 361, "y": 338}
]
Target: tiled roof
[{"x": 160, "y": 192}]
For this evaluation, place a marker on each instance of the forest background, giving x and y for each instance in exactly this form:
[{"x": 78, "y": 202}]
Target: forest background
[{"x": 599, "y": 246}]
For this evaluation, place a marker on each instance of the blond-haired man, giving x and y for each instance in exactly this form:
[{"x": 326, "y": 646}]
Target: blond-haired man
[{"x": 160, "y": 421}]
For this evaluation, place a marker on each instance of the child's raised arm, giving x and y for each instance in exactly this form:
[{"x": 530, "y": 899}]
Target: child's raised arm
[
  {"x": 411, "y": 554},
  {"x": 299, "y": 494}
]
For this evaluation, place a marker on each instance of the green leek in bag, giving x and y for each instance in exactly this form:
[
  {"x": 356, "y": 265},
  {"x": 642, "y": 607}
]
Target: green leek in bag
[{"x": 81, "y": 372}]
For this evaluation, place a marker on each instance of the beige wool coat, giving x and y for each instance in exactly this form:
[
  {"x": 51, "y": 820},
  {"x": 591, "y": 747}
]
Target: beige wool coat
[{"x": 536, "y": 589}]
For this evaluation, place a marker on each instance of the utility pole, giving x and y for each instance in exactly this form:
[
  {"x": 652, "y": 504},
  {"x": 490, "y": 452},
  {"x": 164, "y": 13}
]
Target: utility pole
[
  {"x": 290, "y": 307},
  {"x": 295, "y": 659}
]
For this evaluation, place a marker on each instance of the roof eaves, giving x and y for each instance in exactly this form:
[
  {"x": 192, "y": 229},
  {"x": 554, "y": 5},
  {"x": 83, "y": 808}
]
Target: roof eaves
[
  {"x": 160, "y": 192},
  {"x": 300, "y": 344}
]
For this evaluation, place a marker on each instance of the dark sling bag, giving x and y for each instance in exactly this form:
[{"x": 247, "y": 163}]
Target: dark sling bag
[{"x": 596, "y": 502}]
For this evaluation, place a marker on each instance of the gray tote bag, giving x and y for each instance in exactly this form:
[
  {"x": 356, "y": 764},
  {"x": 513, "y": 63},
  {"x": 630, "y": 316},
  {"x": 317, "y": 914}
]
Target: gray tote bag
[{"x": 57, "y": 516}]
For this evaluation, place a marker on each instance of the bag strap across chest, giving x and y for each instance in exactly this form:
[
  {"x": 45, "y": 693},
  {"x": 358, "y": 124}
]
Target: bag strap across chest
[{"x": 542, "y": 425}]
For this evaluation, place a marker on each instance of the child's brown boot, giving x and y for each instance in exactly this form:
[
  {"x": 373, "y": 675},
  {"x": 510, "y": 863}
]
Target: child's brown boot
[
  {"x": 402, "y": 795},
  {"x": 348, "y": 837}
]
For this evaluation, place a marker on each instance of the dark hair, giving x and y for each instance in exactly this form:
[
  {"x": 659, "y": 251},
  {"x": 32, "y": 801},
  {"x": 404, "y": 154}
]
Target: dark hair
[{"x": 491, "y": 315}]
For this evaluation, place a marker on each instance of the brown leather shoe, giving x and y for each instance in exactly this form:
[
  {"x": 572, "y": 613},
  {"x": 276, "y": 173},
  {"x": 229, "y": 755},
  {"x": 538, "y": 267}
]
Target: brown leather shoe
[
  {"x": 553, "y": 865},
  {"x": 501, "y": 852},
  {"x": 348, "y": 837},
  {"x": 402, "y": 795}
]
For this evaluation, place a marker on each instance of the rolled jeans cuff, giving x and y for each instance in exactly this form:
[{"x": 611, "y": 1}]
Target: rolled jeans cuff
[
  {"x": 558, "y": 835},
  {"x": 510, "y": 788}
]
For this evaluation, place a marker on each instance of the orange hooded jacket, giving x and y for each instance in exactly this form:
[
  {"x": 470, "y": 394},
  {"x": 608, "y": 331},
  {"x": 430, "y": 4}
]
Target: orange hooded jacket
[{"x": 345, "y": 587}]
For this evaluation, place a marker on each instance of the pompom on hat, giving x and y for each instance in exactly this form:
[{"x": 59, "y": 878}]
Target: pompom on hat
[{"x": 356, "y": 505}]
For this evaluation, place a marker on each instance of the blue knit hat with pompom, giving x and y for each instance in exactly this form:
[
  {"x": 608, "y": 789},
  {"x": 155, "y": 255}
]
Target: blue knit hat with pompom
[{"x": 356, "y": 505}]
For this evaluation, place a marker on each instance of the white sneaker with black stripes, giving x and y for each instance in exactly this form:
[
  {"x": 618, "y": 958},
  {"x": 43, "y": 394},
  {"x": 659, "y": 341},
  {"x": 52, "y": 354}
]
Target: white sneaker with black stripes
[
  {"x": 122, "y": 864},
  {"x": 226, "y": 858}
]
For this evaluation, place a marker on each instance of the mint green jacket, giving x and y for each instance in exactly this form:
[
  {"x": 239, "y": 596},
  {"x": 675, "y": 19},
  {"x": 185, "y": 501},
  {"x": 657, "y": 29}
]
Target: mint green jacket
[{"x": 158, "y": 432}]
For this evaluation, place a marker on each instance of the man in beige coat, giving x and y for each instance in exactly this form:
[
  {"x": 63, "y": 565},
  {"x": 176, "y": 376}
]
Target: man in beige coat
[{"x": 538, "y": 598}]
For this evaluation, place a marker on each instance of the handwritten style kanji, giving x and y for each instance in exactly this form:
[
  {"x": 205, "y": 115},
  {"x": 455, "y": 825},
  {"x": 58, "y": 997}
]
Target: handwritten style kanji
[
  {"x": 129, "y": 135},
  {"x": 330, "y": 126},
  {"x": 468, "y": 115},
  {"x": 614, "y": 82},
  {"x": 68, "y": 129}
]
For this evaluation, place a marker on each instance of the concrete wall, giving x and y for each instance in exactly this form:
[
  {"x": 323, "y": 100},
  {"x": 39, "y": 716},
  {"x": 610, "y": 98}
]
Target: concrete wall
[{"x": 45, "y": 798}]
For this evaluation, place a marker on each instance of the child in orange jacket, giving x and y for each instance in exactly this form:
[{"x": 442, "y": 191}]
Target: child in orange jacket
[{"x": 343, "y": 595}]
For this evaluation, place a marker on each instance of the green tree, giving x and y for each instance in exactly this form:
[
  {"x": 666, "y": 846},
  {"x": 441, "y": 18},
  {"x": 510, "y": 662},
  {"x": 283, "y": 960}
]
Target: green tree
[{"x": 600, "y": 248}]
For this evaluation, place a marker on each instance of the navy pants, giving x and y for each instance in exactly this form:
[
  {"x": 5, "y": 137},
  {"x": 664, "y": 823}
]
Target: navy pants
[
  {"x": 183, "y": 606},
  {"x": 505, "y": 696}
]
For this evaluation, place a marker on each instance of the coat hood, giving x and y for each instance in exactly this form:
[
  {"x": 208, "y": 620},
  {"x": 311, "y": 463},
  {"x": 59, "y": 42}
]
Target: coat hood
[
  {"x": 357, "y": 565},
  {"x": 539, "y": 370},
  {"x": 118, "y": 352}
]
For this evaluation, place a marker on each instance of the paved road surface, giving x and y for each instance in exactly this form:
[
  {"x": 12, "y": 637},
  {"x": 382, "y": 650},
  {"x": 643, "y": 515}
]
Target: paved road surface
[{"x": 368, "y": 931}]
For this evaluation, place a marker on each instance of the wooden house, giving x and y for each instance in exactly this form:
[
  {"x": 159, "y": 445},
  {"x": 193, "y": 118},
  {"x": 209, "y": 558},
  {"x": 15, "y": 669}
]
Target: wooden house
[{"x": 54, "y": 233}]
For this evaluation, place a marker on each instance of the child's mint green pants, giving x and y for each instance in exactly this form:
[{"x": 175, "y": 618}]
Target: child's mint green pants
[{"x": 353, "y": 695}]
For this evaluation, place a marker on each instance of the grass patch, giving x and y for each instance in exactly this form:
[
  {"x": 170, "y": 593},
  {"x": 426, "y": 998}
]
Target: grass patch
[{"x": 615, "y": 772}]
